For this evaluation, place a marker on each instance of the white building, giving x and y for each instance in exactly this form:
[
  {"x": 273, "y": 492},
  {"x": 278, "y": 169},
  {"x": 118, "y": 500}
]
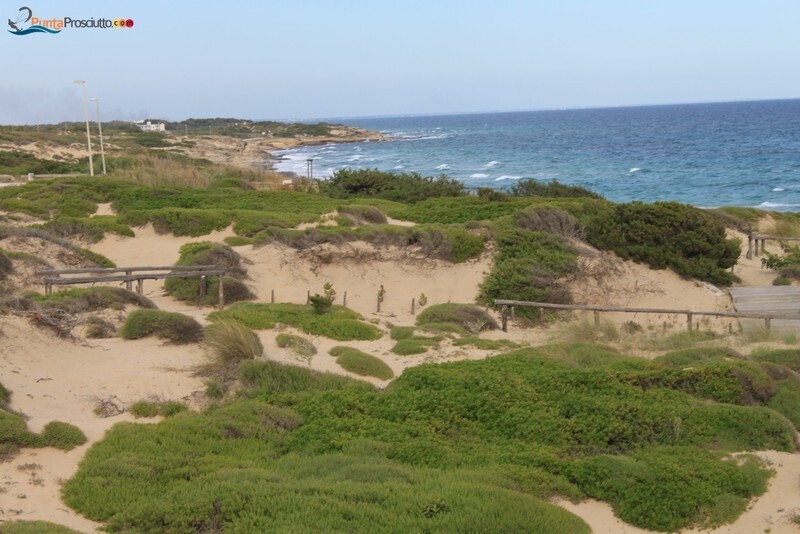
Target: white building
[{"x": 150, "y": 127}]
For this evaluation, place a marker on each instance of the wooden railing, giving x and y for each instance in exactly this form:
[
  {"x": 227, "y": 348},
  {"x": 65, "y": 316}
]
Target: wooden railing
[
  {"x": 61, "y": 277},
  {"x": 507, "y": 308},
  {"x": 763, "y": 239}
]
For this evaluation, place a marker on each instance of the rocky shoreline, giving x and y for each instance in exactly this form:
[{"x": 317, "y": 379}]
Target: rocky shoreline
[{"x": 256, "y": 153}]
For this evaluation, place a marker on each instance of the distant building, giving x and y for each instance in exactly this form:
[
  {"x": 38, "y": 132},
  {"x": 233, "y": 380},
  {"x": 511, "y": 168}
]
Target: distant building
[{"x": 150, "y": 127}]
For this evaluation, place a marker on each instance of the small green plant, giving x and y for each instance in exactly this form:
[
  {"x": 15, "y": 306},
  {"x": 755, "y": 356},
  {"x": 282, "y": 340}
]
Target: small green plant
[
  {"x": 156, "y": 407},
  {"x": 322, "y": 303},
  {"x": 381, "y": 294},
  {"x": 229, "y": 343},
  {"x": 471, "y": 318},
  {"x": 361, "y": 363},
  {"x": 215, "y": 389},
  {"x": 174, "y": 327},
  {"x": 416, "y": 345},
  {"x": 62, "y": 435},
  {"x": 781, "y": 281},
  {"x": 422, "y": 300},
  {"x": 300, "y": 346}
]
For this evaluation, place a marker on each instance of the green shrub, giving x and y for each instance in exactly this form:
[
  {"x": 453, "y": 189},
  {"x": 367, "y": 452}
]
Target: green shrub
[
  {"x": 144, "y": 408},
  {"x": 153, "y": 408},
  {"x": 408, "y": 347},
  {"x": 229, "y": 343},
  {"x": 668, "y": 234},
  {"x": 340, "y": 323},
  {"x": 685, "y": 486},
  {"x": 238, "y": 241},
  {"x": 87, "y": 299},
  {"x": 527, "y": 266},
  {"x": 99, "y": 328},
  {"x": 93, "y": 229},
  {"x": 361, "y": 363},
  {"x": 781, "y": 281},
  {"x": 299, "y": 345},
  {"x": 485, "y": 344},
  {"x": 471, "y": 318},
  {"x": 401, "y": 332},
  {"x": 29, "y": 232},
  {"x": 399, "y": 187},
  {"x": 362, "y": 214},
  {"x": 62, "y": 435},
  {"x": 175, "y": 327},
  {"x": 553, "y": 189},
  {"x": 34, "y": 527},
  {"x": 221, "y": 256}
]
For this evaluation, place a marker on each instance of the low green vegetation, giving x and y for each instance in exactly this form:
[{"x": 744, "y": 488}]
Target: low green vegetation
[
  {"x": 398, "y": 187},
  {"x": 88, "y": 299},
  {"x": 551, "y": 189},
  {"x": 34, "y": 527},
  {"x": 300, "y": 346},
  {"x": 485, "y": 344},
  {"x": 97, "y": 260},
  {"x": 454, "y": 446},
  {"x": 155, "y": 408},
  {"x": 14, "y": 433},
  {"x": 92, "y": 229},
  {"x": 174, "y": 327},
  {"x": 339, "y": 323},
  {"x": 529, "y": 265},
  {"x": 238, "y": 241},
  {"x": 415, "y": 345},
  {"x": 229, "y": 343},
  {"x": 466, "y": 316},
  {"x": 361, "y": 363},
  {"x": 18, "y": 163},
  {"x": 207, "y": 253}
]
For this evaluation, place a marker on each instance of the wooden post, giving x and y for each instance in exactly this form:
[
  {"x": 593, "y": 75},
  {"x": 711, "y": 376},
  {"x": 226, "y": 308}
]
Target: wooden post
[
  {"x": 308, "y": 296},
  {"x": 756, "y": 249},
  {"x": 764, "y": 246},
  {"x": 504, "y": 318},
  {"x": 48, "y": 289},
  {"x": 344, "y": 299},
  {"x": 513, "y": 313},
  {"x": 379, "y": 301},
  {"x": 689, "y": 321},
  {"x": 140, "y": 286},
  {"x": 128, "y": 285},
  {"x": 221, "y": 293},
  {"x": 749, "y": 255},
  {"x": 203, "y": 287},
  {"x": 412, "y": 306},
  {"x": 596, "y": 317},
  {"x": 272, "y": 296},
  {"x": 768, "y": 324}
]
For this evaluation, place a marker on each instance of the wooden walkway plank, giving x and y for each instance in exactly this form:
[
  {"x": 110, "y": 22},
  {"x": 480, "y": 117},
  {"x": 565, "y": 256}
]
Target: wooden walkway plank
[{"x": 773, "y": 300}]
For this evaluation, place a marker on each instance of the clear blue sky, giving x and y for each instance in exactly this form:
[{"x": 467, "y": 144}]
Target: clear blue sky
[{"x": 299, "y": 59}]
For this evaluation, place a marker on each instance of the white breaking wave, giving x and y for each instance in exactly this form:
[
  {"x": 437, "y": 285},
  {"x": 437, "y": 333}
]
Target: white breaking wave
[
  {"x": 398, "y": 167},
  {"x": 634, "y": 169},
  {"x": 776, "y": 206},
  {"x": 442, "y": 167},
  {"x": 778, "y": 189},
  {"x": 492, "y": 163},
  {"x": 478, "y": 175},
  {"x": 506, "y": 177}
]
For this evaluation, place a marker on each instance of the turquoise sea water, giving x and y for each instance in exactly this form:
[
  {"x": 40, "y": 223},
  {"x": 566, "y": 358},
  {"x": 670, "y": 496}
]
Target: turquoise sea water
[{"x": 743, "y": 153}]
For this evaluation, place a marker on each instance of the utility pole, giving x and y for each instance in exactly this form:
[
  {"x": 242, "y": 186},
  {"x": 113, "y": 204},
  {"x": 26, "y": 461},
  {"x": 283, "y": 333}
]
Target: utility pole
[
  {"x": 100, "y": 129},
  {"x": 86, "y": 116}
]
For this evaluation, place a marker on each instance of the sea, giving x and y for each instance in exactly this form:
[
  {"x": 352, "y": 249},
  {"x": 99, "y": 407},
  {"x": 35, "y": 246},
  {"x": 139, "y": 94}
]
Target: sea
[{"x": 707, "y": 155}]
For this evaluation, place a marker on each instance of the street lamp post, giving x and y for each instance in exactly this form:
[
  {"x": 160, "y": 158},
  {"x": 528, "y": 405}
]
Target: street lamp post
[
  {"x": 86, "y": 116},
  {"x": 100, "y": 129},
  {"x": 310, "y": 168}
]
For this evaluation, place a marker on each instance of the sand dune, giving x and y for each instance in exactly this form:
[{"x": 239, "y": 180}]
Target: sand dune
[{"x": 53, "y": 379}]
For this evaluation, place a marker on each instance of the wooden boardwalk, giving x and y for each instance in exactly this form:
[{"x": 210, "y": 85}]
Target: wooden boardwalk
[{"x": 771, "y": 300}]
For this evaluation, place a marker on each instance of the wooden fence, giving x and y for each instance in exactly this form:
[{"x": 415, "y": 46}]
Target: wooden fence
[
  {"x": 507, "y": 307},
  {"x": 751, "y": 251},
  {"x": 62, "y": 277}
]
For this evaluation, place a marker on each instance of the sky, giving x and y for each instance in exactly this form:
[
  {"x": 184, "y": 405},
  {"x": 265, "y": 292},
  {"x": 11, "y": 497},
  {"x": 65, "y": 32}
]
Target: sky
[{"x": 308, "y": 59}]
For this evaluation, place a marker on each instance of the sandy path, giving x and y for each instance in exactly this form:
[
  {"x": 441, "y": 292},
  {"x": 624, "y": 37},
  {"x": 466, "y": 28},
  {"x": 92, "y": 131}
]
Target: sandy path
[{"x": 52, "y": 379}]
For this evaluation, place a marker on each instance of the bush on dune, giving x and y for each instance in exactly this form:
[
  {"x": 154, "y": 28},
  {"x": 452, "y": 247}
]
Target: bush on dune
[
  {"x": 445, "y": 447},
  {"x": 223, "y": 257},
  {"x": 174, "y": 327},
  {"x": 399, "y": 187},
  {"x": 668, "y": 234}
]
